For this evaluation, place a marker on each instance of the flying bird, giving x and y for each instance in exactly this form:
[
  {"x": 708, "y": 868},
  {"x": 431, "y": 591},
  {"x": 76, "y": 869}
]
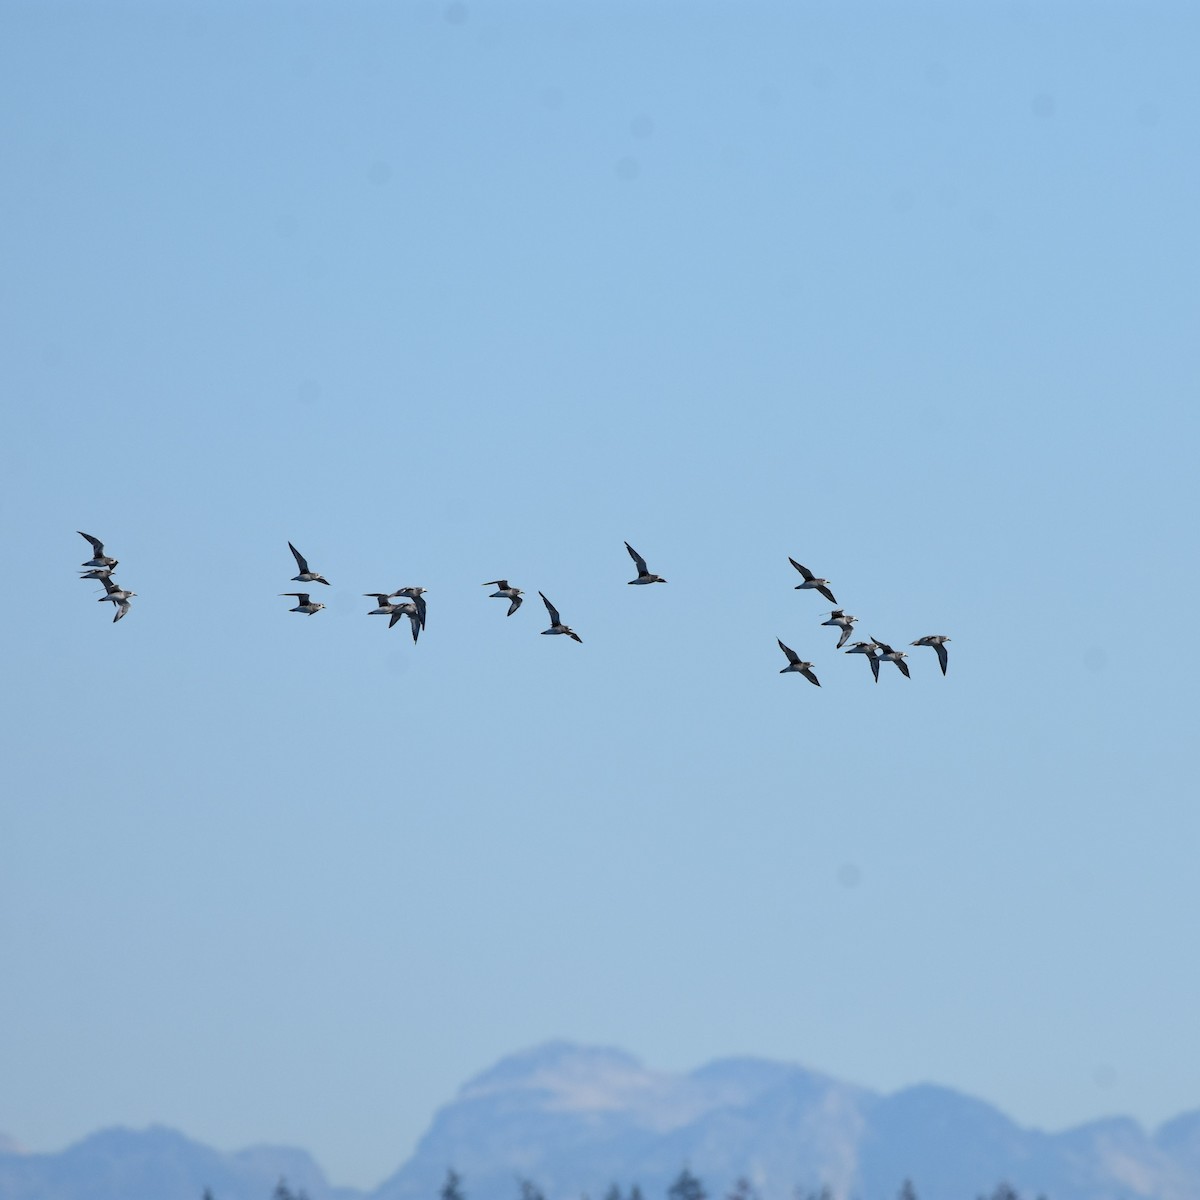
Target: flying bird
[
  {"x": 99, "y": 558},
  {"x": 97, "y": 573},
  {"x": 872, "y": 654},
  {"x": 811, "y": 581},
  {"x": 383, "y": 601},
  {"x": 938, "y": 642},
  {"x": 409, "y": 610},
  {"x": 795, "y": 664},
  {"x": 887, "y": 654},
  {"x": 306, "y": 575},
  {"x": 844, "y": 622},
  {"x": 644, "y": 575},
  {"x": 118, "y": 595},
  {"x": 506, "y": 593},
  {"x": 306, "y": 605},
  {"x": 556, "y": 625},
  {"x": 417, "y": 596}
]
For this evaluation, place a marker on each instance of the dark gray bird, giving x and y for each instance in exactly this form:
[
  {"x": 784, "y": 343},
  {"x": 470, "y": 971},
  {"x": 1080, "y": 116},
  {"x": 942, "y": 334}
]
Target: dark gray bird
[
  {"x": 506, "y": 593},
  {"x": 556, "y": 625},
  {"x": 887, "y": 654},
  {"x": 306, "y": 604},
  {"x": 99, "y": 558},
  {"x": 409, "y": 610},
  {"x": 811, "y": 581},
  {"x": 938, "y": 642},
  {"x": 644, "y": 575},
  {"x": 306, "y": 574},
  {"x": 417, "y": 596},
  {"x": 795, "y": 664}
]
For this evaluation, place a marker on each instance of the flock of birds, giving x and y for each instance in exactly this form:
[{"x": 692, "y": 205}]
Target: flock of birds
[
  {"x": 100, "y": 566},
  {"x": 410, "y": 602}
]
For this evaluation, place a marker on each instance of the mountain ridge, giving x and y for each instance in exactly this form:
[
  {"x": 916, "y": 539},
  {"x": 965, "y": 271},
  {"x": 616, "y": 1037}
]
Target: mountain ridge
[{"x": 575, "y": 1120}]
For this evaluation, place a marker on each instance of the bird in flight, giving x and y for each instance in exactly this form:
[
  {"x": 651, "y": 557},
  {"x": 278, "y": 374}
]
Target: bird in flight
[
  {"x": 412, "y": 612},
  {"x": 306, "y": 575},
  {"x": 417, "y": 596},
  {"x": 811, "y": 581},
  {"x": 872, "y": 654},
  {"x": 844, "y": 622},
  {"x": 506, "y": 593},
  {"x": 99, "y": 558},
  {"x": 306, "y": 605},
  {"x": 887, "y": 654},
  {"x": 644, "y": 575},
  {"x": 938, "y": 642},
  {"x": 556, "y": 625},
  {"x": 118, "y": 596},
  {"x": 795, "y": 664}
]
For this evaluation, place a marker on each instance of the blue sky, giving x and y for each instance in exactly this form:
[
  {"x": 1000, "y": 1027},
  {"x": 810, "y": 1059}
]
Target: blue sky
[{"x": 444, "y": 293}]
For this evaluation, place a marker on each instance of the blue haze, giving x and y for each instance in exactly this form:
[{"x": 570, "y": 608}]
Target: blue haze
[{"x": 443, "y": 293}]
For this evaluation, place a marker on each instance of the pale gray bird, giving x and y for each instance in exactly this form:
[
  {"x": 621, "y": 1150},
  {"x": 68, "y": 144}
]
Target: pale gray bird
[
  {"x": 872, "y": 654},
  {"x": 842, "y": 621},
  {"x": 811, "y": 581},
  {"x": 644, "y": 575},
  {"x": 795, "y": 664},
  {"x": 887, "y": 654},
  {"x": 306, "y": 574},
  {"x": 938, "y": 642},
  {"x": 306, "y": 605},
  {"x": 383, "y": 601},
  {"x": 118, "y": 595},
  {"x": 506, "y": 593},
  {"x": 99, "y": 558},
  {"x": 556, "y": 625}
]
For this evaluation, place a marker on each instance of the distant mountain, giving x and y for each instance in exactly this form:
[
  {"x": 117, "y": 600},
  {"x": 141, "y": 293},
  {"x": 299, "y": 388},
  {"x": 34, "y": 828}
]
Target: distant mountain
[
  {"x": 159, "y": 1164},
  {"x": 574, "y": 1120}
]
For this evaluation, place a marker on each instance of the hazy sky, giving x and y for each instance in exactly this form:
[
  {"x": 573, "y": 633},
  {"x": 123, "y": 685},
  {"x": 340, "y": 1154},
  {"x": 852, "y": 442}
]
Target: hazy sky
[{"x": 447, "y": 292}]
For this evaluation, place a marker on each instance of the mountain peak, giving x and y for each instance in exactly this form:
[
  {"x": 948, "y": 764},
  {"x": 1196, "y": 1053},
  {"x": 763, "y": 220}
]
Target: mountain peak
[{"x": 567, "y": 1074}]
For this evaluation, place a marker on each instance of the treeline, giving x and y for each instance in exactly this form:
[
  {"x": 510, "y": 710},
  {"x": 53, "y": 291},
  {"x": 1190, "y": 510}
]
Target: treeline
[{"x": 686, "y": 1187}]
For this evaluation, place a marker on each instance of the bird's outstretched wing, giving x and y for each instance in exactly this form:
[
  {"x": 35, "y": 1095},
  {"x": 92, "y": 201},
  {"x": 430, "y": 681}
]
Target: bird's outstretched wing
[
  {"x": 555, "y": 619},
  {"x": 807, "y": 673},
  {"x": 792, "y": 656},
  {"x": 827, "y": 594},
  {"x": 512, "y": 608},
  {"x": 97, "y": 545},
  {"x": 803, "y": 570},
  {"x": 943, "y": 656},
  {"x": 903, "y": 667},
  {"x": 500, "y": 583},
  {"x": 638, "y": 559},
  {"x": 301, "y": 562}
]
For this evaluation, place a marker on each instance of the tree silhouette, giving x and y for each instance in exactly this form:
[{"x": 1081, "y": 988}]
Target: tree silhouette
[
  {"x": 743, "y": 1189},
  {"x": 452, "y": 1188},
  {"x": 530, "y": 1190},
  {"x": 907, "y": 1191},
  {"x": 686, "y": 1187}
]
